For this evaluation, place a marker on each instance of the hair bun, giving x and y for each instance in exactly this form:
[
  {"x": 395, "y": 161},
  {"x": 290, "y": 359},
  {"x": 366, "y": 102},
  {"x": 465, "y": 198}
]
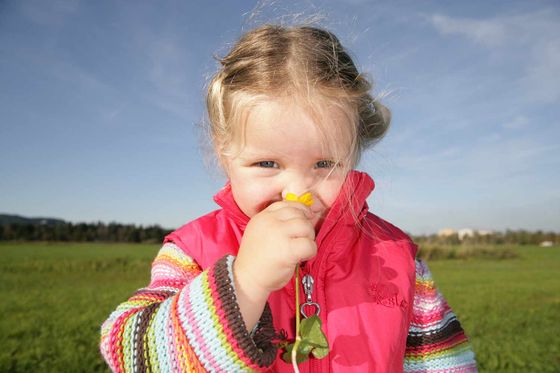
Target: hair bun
[{"x": 375, "y": 119}]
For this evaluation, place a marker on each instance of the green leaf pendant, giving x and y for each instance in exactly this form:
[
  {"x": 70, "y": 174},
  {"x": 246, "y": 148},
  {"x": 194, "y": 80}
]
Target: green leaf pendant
[
  {"x": 310, "y": 338},
  {"x": 313, "y": 341}
]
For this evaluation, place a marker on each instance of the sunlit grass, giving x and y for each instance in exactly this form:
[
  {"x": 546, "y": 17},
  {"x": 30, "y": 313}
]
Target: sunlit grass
[
  {"x": 441, "y": 252},
  {"x": 55, "y": 297},
  {"x": 510, "y": 309}
]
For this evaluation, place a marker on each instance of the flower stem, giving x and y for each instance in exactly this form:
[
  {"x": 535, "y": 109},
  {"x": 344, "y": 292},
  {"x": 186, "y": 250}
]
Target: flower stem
[{"x": 298, "y": 337}]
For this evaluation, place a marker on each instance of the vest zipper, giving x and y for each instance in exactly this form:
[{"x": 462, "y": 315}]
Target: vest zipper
[
  {"x": 307, "y": 281},
  {"x": 317, "y": 365}
]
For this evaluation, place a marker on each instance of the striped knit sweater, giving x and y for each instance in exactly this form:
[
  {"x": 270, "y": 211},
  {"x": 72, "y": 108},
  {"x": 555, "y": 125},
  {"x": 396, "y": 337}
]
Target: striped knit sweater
[
  {"x": 188, "y": 320},
  {"x": 436, "y": 342}
]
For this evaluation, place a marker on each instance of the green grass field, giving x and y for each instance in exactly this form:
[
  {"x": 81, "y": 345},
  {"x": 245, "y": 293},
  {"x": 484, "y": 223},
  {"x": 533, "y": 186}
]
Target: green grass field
[{"x": 55, "y": 297}]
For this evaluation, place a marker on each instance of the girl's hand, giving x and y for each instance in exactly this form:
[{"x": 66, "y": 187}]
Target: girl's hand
[{"x": 275, "y": 241}]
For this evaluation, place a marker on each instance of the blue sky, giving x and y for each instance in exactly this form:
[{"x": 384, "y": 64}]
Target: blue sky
[{"x": 101, "y": 104}]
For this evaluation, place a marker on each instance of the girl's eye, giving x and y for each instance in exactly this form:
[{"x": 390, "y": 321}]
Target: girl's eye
[
  {"x": 267, "y": 164},
  {"x": 325, "y": 164}
]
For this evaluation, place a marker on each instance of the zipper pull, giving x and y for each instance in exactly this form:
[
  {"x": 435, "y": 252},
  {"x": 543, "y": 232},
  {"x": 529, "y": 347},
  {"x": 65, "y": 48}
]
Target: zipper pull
[{"x": 307, "y": 282}]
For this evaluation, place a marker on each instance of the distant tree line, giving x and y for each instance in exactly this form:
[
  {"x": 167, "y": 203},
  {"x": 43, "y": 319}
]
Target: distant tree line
[
  {"x": 514, "y": 237},
  {"x": 82, "y": 232},
  {"x": 115, "y": 232}
]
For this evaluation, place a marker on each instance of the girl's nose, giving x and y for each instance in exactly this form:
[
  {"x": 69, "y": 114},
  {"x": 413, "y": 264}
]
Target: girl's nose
[{"x": 298, "y": 185}]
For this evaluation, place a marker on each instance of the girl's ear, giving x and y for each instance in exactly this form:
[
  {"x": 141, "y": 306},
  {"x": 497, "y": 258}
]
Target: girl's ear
[
  {"x": 220, "y": 157},
  {"x": 224, "y": 162}
]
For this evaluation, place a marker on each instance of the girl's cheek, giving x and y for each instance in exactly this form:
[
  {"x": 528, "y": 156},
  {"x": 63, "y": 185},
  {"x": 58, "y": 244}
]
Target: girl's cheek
[
  {"x": 260, "y": 195},
  {"x": 330, "y": 193}
]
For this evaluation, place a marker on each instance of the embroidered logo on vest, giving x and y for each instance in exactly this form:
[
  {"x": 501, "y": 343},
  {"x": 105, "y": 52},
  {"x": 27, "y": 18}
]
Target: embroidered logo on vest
[{"x": 386, "y": 294}]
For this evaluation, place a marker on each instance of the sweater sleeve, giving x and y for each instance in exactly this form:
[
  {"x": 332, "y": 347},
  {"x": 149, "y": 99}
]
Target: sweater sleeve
[
  {"x": 186, "y": 320},
  {"x": 436, "y": 341}
]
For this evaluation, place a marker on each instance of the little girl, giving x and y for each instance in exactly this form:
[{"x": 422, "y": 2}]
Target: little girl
[{"x": 289, "y": 114}]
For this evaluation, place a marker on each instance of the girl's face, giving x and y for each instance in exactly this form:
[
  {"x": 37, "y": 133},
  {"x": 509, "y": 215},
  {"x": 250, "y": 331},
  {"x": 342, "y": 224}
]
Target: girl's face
[{"x": 282, "y": 152}]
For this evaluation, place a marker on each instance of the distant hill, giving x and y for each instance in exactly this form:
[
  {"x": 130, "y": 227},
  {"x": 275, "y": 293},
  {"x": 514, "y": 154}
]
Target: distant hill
[
  {"x": 20, "y": 228},
  {"x": 6, "y": 219}
]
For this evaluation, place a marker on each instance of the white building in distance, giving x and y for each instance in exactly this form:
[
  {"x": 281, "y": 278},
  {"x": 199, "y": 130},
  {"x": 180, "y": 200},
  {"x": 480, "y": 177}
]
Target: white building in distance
[{"x": 463, "y": 232}]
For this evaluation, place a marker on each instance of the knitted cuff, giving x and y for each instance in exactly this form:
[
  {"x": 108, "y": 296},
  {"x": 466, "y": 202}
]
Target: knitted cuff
[
  {"x": 215, "y": 326},
  {"x": 259, "y": 346}
]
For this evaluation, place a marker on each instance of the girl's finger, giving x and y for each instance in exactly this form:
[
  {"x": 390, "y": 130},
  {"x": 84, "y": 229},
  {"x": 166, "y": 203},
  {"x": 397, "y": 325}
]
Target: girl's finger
[
  {"x": 298, "y": 227},
  {"x": 303, "y": 248},
  {"x": 282, "y": 210}
]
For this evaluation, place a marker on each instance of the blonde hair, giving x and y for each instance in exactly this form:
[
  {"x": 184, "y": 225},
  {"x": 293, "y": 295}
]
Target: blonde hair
[{"x": 303, "y": 63}]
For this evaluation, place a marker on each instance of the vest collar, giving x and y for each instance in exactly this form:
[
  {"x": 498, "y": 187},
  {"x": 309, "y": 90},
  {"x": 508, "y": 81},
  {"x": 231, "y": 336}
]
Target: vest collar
[{"x": 350, "y": 206}]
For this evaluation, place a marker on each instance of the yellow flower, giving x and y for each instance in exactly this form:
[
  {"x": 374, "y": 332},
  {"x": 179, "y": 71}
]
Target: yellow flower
[{"x": 306, "y": 198}]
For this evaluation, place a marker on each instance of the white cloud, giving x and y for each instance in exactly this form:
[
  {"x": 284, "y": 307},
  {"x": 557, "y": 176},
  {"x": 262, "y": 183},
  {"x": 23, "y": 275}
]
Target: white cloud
[
  {"x": 491, "y": 160},
  {"x": 531, "y": 40},
  {"x": 519, "y": 122},
  {"x": 518, "y": 30},
  {"x": 169, "y": 70},
  {"x": 542, "y": 77},
  {"x": 49, "y": 13},
  {"x": 486, "y": 32},
  {"x": 496, "y": 182}
]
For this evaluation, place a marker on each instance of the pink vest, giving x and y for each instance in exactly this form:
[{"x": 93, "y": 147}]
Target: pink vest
[{"x": 364, "y": 277}]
